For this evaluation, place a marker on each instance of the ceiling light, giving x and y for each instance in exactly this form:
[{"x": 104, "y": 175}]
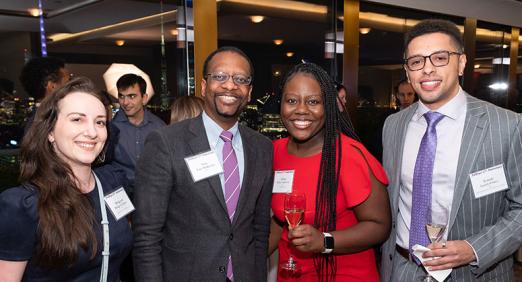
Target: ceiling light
[
  {"x": 499, "y": 86},
  {"x": 289, "y": 54},
  {"x": 501, "y": 61},
  {"x": 277, "y": 73},
  {"x": 35, "y": 12},
  {"x": 477, "y": 66},
  {"x": 364, "y": 30},
  {"x": 174, "y": 32},
  {"x": 278, "y": 41},
  {"x": 256, "y": 19},
  {"x": 119, "y": 42}
]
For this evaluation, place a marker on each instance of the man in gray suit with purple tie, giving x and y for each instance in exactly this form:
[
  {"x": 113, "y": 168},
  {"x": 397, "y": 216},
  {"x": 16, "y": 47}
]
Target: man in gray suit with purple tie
[
  {"x": 203, "y": 187},
  {"x": 455, "y": 157}
]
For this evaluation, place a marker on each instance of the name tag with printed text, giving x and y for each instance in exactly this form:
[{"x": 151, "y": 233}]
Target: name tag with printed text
[
  {"x": 283, "y": 181},
  {"x": 204, "y": 165},
  {"x": 488, "y": 181},
  {"x": 119, "y": 203}
]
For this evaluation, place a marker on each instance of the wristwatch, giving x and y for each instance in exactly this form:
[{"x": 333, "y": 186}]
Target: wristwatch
[{"x": 328, "y": 243}]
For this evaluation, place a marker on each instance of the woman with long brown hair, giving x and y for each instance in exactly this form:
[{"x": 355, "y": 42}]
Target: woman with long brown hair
[
  {"x": 347, "y": 211},
  {"x": 54, "y": 226}
]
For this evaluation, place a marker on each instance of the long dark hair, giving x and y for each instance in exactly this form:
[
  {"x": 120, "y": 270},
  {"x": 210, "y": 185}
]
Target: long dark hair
[
  {"x": 65, "y": 215},
  {"x": 326, "y": 194}
]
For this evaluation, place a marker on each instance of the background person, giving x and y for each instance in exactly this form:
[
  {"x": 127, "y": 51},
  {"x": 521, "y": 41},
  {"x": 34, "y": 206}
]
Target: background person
[
  {"x": 50, "y": 225},
  {"x": 352, "y": 204},
  {"x": 40, "y": 76},
  {"x": 433, "y": 151},
  {"x": 133, "y": 123},
  {"x": 214, "y": 228},
  {"x": 404, "y": 94},
  {"x": 186, "y": 107}
]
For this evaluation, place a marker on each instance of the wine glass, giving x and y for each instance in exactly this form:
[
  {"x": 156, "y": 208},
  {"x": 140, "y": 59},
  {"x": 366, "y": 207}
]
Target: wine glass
[
  {"x": 436, "y": 229},
  {"x": 295, "y": 204}
]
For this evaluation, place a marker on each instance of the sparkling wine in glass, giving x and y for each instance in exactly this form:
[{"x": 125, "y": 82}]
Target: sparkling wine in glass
[
  {"x": 294, "y": 207},
  {"x": 436, "y": 229}
]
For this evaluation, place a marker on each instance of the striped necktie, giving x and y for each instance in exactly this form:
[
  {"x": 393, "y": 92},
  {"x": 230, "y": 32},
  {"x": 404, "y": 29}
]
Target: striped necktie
[{"x": 232, "y": 187}]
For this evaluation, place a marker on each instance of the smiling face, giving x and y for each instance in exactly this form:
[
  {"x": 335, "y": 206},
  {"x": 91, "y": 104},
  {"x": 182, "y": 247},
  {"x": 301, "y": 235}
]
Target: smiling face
[
  {"x": 435, "y": 85},
  {"x": 302, "y": 109},
  {"x": 80, "y": 130},
  {"x": 225, "y": 100},
  {"x": 131, "y": 101}
]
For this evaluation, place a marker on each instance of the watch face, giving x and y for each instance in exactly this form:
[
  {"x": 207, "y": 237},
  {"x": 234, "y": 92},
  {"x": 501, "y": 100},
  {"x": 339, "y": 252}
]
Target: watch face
[{"x": 328, "y": 242}]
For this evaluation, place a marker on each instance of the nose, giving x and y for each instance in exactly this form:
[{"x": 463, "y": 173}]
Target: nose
[
  {"x": 301, "y": 108},
  {"x": 428, "y": 67},
  {"x": 229, "y": 84},
  {"x": 90, "y": 130}
]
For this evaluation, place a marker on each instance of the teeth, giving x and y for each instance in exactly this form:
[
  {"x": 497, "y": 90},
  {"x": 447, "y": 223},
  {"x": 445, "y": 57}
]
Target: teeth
[
  {"x": 430, "y": 83},
  {"x": 86, "y": 145},
  {"x": 228, "y": 99},
  {"x": 302, "y": 123}
]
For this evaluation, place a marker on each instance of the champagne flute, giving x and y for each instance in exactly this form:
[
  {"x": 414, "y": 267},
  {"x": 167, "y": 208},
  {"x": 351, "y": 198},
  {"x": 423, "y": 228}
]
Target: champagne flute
[
  {"x": 436, "y": 229},
  {"x": 294, "y": 207}
]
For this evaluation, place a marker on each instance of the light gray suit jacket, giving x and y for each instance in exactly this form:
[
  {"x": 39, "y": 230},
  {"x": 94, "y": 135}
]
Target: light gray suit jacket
[
  {"x": 182, "y": 231},
  {"x": 491, "y": 224}
]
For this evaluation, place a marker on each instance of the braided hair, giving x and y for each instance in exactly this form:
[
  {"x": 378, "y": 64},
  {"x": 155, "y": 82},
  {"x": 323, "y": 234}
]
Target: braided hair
[{"x": 328, "y": 180}]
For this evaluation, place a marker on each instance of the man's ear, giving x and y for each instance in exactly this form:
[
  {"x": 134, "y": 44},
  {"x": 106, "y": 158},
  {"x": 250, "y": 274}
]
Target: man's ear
[
  {"x": 204, "y": 87},
  {"x": 145, "y": 99}
]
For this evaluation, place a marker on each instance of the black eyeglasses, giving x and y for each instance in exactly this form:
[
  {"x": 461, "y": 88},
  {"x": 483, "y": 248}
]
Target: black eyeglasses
[
  {"x": 438, "y": 59},
  {"x": 223, "y": 77}
]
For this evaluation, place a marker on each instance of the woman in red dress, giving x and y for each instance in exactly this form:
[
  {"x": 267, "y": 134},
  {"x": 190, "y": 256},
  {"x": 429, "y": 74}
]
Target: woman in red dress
[{"x": 344, "y": 186}]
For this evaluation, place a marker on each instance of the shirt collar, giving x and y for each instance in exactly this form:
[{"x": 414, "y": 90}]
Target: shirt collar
[
  {"x": 214, "y": 130},
  {"x": 120, "y": 116},
  {"x": 453, "y": 109}
]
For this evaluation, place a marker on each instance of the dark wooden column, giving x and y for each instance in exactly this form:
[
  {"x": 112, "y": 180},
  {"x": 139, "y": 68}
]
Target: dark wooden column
[
  {"x": 205, "y": 36},
  {"x": 512, "y": 76},
  {"x": 351, "y": 53},
  {"x": 470, "y": 28}
]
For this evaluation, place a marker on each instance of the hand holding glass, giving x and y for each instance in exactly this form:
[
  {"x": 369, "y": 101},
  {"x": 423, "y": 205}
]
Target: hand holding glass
[
  {"x": 436, "y": 229},
  {"x": 295, "y": 204}
]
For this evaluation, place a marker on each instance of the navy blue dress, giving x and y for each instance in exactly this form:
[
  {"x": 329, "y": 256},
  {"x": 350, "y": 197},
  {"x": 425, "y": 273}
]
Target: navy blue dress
[{"x": 18, "y": 234}]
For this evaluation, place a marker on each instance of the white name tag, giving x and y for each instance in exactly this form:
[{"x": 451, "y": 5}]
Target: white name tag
[
  {"x": 283, "y": 181},
  {"x": 488, "y": 181},
  {"x": 204, "y": 165},
  {"x": 119, "y": 203}
]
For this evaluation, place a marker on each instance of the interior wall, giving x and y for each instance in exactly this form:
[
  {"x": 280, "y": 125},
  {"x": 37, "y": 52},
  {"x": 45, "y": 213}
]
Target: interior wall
[{"x": 500, "y": 11}]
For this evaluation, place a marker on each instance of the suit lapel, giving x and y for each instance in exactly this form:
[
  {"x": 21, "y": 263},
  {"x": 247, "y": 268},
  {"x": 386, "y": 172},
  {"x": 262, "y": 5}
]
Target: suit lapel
[
  {"x": 401, "y": 128},
  {"x": 198, "y": 142},
  {"x": 250, "y": 162},
  {"x": 472, "y": 140}
]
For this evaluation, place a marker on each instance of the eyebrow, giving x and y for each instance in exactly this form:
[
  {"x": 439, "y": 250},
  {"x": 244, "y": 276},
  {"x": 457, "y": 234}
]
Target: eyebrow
[{"x": 83, "y": 115}]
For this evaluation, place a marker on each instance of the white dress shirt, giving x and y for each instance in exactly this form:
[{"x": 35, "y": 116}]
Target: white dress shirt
[
  {"x": 213, "y": 131},
  {"x": 449, "y": 139}
]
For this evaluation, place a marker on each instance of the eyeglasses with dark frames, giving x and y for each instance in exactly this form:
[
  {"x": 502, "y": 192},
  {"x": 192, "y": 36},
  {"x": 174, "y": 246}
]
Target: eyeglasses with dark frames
[
  {"x": 438, "y": 59},
  {"x": 223, "y": 77}
]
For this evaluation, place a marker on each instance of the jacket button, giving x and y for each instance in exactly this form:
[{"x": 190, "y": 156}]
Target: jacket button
[
  {"x": 391, "y": 257},
  {"x": 222, "y": 269},
  {"x": 231, "y": 236}
]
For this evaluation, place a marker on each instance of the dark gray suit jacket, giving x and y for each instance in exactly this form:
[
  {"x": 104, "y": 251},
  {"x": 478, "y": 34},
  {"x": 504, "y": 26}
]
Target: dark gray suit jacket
[
  {"x": 182, "y": 230},
  {"x": 491, "y": 224}
]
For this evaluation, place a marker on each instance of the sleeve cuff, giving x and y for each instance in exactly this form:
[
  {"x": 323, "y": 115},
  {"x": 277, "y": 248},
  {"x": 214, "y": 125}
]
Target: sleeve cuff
[{"x": 476, "y": 262}]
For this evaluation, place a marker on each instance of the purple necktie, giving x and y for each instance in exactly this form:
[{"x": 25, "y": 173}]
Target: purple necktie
[
  {"x": 232, "y": 188},
  {"x": 422, "y": 181}
]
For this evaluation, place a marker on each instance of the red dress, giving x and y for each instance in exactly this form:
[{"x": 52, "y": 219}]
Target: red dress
[{"x": 354, "y": 188}]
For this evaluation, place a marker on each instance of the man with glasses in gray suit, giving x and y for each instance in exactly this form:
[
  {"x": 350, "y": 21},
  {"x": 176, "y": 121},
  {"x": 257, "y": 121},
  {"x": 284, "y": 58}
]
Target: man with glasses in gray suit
[
  {"x": 454, "y": 156},
  {"x": 203, "y": 187}
]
